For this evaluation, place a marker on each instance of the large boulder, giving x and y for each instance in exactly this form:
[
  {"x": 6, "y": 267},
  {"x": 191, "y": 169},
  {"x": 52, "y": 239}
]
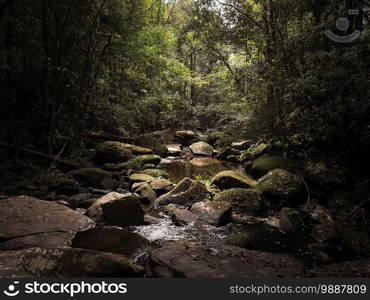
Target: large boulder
[
  {"x": 68, "y": 262},
  {"x": 202, "y": 148},
  {"x": 146, "y": 194},
  {"x": 117, "y": 210},
  {"x": 113, "y": 152},
  {"x": 190, "y": 260},
  {"x": 249, "y": 201},
  {"x": 174, "y": 149},
  {"x": 111, "y": 239},
  {"x": 266, "y": 163},
  {"x": 281, "y": 185},
  {"x": 186, "y": 192},
  {"x": 183, "y": 217},
  {"x": 232, "y": 179},
  {"x": 140, "y": 161},
  {"x": 43, "y": 240},
  {"x": 28, "y": 222},
  {"x": 215, "y": 213},
  {"x": 90, "y": 176}
]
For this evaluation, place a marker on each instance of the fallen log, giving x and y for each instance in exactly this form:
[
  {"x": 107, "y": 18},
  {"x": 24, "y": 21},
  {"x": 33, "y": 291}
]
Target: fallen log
[{"x": 68, "y": 163}]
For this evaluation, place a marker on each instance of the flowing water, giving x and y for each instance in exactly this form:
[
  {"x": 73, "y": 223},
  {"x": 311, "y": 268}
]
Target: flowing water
[{"x": 178, "y": 169}]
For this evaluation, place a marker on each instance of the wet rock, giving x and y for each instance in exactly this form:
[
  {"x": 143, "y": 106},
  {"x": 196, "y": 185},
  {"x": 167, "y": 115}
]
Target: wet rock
[
  {"x": 161, "y": 186},
  {"x": 151, "y": 220},
  {"x": 248, "y": 201},
  {"x": 157, "y": 173},
  {"x": 137, "y": 178},
  {"x": 202, "y": 148},
  {"x": 170, "y": 209},
  {"x": 140, "y": 161},
  {"x": 117, "y": 210},
  {"x": 22, "y": 216},
  {"x": 266, "y": 163},
  {"x": 186, "y": 192},
  {"x": 183, "y": 217},
  {"x": 194, "y": 261},
  {"x": 146, "y": 194},
  {"x": 174, "y": 149},
  {"x": 281, "y": 185},
  {"x": 253, "y": 152},
  {"x": 351, "y": 269},
  {"x": 68, "y": 263},
  {"x": 44, "y": 240},
  {"x": 65, "y": 186},
  {"x": 232, "y": 179},
  {"x": 113, "y": 152},
  {"x": 110, "y": 239},
  {"x": 259, "y": 236},
  {"x": 90, "y": 176},
  {"x": 216, "y": 213}
]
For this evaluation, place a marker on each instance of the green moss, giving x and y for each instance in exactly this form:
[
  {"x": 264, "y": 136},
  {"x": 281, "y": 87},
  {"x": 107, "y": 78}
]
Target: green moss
[
  {"x": 281, "y": 184},
  {"x": 244, "y": 200},
  {"x": 156, "y": 173},
  {"x": 142, "y": 160},
  {"x": 267, "y": 163},
  {"x": 232, "y": 179},
  {"x": 134, "y": 178}
]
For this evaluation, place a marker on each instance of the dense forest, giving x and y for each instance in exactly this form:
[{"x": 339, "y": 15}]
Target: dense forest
[{"x": 242, "y": 115}]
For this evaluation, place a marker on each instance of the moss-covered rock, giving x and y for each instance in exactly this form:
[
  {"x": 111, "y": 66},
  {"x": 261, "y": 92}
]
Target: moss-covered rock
[
  {"x": 214, "y": 213},
  {"x": 146, "y": 194},
  {"x": 113, "y": 152},
  {"x": 157, "y": 173},
  {"x": 134, "y": 178},
  {"x": 186, "y": 192},
  {"x": 248, "y": 201},
  {"x": 140, "y": 161},
  {"x": 91, "y": 176},
  {"x": 281, "y": 185},
  {"x": 254, "y": 152},
  {"x": 232, "y": 179},
  {"x": 202, "y": 148},
  {"x": 266, "y": 163}
]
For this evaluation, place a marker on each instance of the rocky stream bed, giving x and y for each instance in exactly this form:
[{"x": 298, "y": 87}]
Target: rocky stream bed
[{"x": 243, "y": 211}]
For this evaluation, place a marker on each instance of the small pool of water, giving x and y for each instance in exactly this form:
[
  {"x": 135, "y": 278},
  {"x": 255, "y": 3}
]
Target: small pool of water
[{"x": 179, "y": 168}]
